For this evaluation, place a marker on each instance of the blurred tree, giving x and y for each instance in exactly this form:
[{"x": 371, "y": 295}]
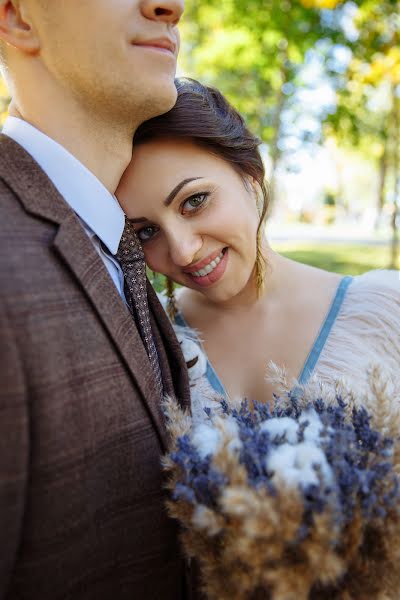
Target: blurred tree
[
  {"x": 254, "y": 54},
  {"x": 367, "y": 114}
]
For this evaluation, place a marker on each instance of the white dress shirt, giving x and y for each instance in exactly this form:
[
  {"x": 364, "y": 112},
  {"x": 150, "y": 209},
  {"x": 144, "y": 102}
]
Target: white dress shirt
[{"x": 98, "y": 210}]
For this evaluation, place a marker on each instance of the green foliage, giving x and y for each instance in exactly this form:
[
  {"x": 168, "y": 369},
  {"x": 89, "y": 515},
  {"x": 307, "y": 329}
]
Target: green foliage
[
  {"x": 250, "y": 51},
  {"x": 157, "y": 280},
  {"x": 364, "y": 92}
]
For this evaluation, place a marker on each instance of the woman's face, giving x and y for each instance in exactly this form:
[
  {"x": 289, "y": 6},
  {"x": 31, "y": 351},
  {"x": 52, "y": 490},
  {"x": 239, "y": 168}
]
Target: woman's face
[{"x": 195, "y": 216}]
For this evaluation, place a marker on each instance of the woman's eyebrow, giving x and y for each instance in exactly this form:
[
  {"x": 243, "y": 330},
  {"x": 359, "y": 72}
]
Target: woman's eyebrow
[
  {"x": 177, "y": 189},
  {"x": 170, "y": 196}
]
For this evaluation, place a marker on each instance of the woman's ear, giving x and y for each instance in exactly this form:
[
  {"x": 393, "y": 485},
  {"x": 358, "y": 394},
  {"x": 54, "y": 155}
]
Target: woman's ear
[{"x": 16, "y": 28}]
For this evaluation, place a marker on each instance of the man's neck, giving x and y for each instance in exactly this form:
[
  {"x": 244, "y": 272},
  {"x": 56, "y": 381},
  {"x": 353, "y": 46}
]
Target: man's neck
[{"x": 102, "y": 145}]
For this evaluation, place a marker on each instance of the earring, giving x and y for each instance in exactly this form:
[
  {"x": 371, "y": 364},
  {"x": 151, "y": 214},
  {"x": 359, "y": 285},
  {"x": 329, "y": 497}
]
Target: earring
[
  {"x": 172, "y": 308},
  {"x": 259, "y": 266}
]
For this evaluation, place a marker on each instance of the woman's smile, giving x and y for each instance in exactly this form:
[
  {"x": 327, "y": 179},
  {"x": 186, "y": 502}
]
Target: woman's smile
[{"x": 210, "y": 270}]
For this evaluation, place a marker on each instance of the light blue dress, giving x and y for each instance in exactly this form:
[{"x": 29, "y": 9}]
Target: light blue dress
[{"x": 361, "y": 328}]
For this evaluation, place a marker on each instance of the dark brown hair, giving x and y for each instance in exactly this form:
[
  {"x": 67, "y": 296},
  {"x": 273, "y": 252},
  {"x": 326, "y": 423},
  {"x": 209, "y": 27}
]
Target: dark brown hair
[{"x": 205, "y": 117}]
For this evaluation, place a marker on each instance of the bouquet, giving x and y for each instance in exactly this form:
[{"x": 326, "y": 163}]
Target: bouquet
[{"x": 298, "y": 500}]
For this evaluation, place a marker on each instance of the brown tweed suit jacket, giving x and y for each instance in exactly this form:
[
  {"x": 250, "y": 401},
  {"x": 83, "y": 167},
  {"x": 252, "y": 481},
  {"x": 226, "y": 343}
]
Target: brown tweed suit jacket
[{"x": 81, "y": 433}]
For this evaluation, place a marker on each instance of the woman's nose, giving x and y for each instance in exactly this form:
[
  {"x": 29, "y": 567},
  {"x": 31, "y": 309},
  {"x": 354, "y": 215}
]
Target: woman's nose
[{"x": 184, "y": 247}]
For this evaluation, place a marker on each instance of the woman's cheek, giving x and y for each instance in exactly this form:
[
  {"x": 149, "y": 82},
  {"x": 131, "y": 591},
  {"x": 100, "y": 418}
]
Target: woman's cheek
[
  {"x": 156, "y": 258},
  {"x": 151, "y": 259}
]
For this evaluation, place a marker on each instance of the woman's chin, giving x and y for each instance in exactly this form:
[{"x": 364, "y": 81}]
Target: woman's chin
[
  {"x": 224, "y": 290},
  {"x": 221, "y": 294}
]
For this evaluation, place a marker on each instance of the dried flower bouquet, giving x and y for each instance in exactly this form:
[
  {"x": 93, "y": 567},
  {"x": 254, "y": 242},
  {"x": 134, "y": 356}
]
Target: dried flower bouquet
[{"x": 292, "y": 502}]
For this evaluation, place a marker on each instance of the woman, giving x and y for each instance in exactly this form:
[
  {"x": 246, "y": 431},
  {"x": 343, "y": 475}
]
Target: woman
[{"x": 195, "y": 192}]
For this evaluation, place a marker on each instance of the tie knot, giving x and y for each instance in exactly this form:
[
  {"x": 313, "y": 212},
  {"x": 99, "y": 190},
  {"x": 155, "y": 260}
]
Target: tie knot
[{"x": 129, "y": 246}]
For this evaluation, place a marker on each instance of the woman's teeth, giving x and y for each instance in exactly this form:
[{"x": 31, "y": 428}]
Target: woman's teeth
[{"x": 208, "y": 268}]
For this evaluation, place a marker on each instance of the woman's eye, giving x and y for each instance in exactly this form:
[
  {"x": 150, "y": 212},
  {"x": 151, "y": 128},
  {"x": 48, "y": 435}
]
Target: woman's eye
[
  {"x": 146, "y": 233},
  {"x": 194, "y": 202}
]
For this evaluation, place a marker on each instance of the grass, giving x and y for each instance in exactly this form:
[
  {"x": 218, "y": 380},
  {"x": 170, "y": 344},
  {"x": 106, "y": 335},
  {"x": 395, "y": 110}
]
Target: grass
[{"x": 348, "y": 259}]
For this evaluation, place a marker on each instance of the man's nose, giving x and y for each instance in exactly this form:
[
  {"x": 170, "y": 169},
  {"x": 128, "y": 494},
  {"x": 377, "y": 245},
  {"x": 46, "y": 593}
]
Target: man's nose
[
  {"x": 169, "y": 11},
  {"x": 184, "y": 247}
]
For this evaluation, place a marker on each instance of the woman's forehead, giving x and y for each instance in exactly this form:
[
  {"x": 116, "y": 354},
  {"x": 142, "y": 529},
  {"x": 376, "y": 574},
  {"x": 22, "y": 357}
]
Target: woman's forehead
[{"x": 175, "y": 158}]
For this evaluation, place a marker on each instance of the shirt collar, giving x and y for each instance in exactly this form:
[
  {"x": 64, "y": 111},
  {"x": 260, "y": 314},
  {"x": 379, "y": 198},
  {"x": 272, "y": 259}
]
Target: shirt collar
[{"x": 86, "y": 195}]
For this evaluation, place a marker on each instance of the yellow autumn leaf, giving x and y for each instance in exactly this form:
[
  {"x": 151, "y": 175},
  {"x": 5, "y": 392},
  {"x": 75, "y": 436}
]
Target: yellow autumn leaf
[
  {"x": 319, "y": 4},
  {"x": 382, "y": 67}
]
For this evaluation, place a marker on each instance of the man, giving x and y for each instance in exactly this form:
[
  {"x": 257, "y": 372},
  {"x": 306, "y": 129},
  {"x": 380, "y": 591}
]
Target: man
[{"x": 84, "y": 356}]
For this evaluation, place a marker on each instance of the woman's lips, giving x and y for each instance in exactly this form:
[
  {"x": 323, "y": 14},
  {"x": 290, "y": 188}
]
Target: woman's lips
[
  {"x": 202, "y": 263},
  {"x": 214, "y": 276}
]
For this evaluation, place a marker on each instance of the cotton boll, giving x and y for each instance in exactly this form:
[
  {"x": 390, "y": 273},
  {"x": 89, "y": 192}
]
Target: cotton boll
[
  {"x": 282, "y": 426},
  {"x": 230, "y": 431},
  {"x": 296, "y": 464},
  {"x": 315, "y": 426},
  {"x": 281, "y": 461},
  {"x": 194, "y": 357},
  {"x": 309, "y": 456},
  {"x": 206, "y": 439}
]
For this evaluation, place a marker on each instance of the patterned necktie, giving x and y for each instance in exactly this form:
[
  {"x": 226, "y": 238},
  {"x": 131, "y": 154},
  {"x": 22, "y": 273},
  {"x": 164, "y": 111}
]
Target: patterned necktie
[{"x": 131, "y": 258}]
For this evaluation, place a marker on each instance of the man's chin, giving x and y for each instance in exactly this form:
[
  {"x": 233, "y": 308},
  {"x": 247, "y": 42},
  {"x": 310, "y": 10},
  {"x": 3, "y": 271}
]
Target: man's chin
[{"x": 162, "y": 100}]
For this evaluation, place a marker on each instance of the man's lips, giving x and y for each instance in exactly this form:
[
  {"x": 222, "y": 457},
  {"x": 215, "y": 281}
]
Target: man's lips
[
  {"x": 160, "y": 43},
  {"x": 202, "y": 263}
]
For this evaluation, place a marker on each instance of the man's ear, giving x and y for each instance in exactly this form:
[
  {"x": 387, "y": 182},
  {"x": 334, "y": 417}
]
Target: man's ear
[{"x": 16, "y": 28}]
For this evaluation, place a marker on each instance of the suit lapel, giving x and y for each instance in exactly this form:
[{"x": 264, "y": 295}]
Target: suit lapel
[
  {"x": 75, "y": 247},
  {"x": 170, "y": 351},
  {"x": 39, "y": 197}
]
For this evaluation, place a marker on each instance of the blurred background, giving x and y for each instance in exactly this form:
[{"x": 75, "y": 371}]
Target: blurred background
[{"x": 319, "y": 82}]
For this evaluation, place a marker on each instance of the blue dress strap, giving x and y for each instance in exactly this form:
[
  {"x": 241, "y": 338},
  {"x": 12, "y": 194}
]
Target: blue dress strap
[{"x": 325, "y": 330}]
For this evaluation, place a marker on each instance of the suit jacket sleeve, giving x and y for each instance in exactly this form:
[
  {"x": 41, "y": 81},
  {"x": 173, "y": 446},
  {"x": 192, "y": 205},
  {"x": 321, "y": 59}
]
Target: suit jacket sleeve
[{"x": 14, "y": 450}]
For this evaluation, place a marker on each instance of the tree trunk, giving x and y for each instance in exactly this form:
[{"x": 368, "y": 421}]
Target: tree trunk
[
  {"x": 383, "y": 170},
  {"x": 277, "y": 127},
  {"x": 275, "y": 152},
  {"x": 396, "y": 172}
]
